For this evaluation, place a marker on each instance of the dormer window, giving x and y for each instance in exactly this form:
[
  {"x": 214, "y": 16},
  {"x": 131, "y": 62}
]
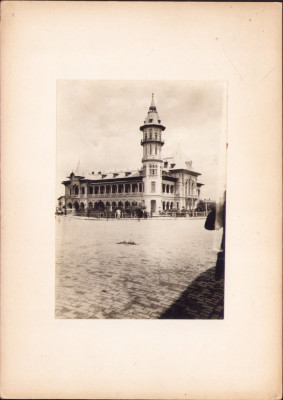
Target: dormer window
[
  {"x": 165, "y": 164},
  {"x": 172, "y": 165}
]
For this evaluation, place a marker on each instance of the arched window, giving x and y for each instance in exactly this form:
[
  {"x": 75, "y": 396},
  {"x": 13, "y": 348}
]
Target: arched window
[
  {"x": 90, "y": 205},
  {"x": 69, "y": 205},
  {"x": 114, "y": 205},
  {"x": 101, "y": 206},
  {"x": 76, "y": 190}
]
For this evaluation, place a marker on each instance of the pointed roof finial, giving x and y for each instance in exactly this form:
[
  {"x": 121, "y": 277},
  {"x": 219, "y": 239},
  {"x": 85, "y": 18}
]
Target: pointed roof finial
[
  {"x": 77, "y": 170},
  {"x": 152, "y": 105}
]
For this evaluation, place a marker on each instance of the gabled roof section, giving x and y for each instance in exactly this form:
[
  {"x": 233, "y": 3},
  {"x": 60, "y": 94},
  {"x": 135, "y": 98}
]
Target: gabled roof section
[
  {"x": 179, "y": 163},
  {"x": 107, "y": 176}
]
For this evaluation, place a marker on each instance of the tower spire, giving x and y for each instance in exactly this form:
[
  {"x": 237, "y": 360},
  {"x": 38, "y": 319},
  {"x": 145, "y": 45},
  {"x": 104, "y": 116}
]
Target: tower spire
[
  {"x": 152, "y": 105},
  {"x": 152, "y": 118}
]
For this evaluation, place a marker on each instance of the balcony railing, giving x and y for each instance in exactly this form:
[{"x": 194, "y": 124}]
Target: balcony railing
[
  {"x": 93, "y": 195},
  {"x": 161, "y": 141}
]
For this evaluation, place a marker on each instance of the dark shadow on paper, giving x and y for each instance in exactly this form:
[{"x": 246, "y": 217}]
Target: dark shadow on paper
[{"x": 203, "y": 299}]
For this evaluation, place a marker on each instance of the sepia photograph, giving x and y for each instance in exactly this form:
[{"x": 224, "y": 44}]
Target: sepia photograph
[
  {"x": 140, "y": 213},
  {"x": 141, "y": 240}
]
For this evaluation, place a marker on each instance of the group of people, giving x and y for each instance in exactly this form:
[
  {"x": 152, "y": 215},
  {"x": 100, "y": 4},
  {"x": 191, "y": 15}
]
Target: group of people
[{"x": 140, "y": 214}]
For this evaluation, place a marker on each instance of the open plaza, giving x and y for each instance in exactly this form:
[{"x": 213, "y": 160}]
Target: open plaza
[{"x": 137, "y": 269}]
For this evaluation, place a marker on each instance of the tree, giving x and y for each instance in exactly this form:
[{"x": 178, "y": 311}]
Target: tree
[{"x": 201, "y": 206}]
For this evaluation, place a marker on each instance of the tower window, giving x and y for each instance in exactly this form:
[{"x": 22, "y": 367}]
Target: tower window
[
  {"x": 150, "y": 120},
  {"x": 152, "y": 169},
  {"x": 152, "y": 187},
  {"x": 155, "y": 149},
  {"x": 83, "y": 190},
  {"x": 150, "y": 149}
]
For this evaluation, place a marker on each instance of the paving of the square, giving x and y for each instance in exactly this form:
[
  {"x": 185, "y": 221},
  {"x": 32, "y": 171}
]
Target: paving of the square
[{"x": 167, "y": 273}]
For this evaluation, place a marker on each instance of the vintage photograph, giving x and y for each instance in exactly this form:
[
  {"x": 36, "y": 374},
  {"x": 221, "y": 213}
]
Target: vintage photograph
[{"x": 140, "y": 199}]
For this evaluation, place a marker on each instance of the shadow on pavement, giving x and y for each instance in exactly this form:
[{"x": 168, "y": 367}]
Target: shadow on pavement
[{"x": 203, "y": 299}]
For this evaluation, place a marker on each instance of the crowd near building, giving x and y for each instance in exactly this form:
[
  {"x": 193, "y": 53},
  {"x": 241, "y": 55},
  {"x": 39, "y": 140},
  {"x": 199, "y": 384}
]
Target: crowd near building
[{"x": 161, "y": 186}]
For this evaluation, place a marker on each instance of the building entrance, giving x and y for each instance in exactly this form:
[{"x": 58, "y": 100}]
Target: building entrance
[{"x": 153, "y": 206}]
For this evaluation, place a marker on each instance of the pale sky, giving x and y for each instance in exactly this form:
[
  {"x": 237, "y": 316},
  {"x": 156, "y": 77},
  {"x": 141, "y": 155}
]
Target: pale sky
[{"x": 98, "y": 124}]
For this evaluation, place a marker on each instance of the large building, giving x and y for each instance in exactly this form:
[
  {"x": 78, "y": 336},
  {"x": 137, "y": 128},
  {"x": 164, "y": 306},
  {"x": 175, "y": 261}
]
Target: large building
[{"x": 159, "y": 186}]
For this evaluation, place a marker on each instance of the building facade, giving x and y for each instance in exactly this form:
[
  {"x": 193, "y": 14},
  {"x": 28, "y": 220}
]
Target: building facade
[{"x": 161, "y": 185}]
